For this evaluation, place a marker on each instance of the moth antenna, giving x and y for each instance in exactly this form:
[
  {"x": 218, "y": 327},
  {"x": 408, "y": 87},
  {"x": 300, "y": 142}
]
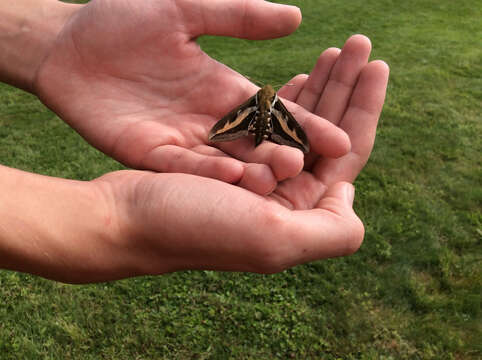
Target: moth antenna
[
  {"x": 289, "y": 84},
  {"x": 280, "y": 85},
  {"x": 257, "y": 82}
]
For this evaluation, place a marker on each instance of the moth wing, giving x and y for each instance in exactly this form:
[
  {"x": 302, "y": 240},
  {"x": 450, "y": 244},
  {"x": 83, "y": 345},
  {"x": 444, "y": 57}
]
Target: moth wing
[
  {"x": 286, "y": 130},
  {"x": 235, "y": 124}
]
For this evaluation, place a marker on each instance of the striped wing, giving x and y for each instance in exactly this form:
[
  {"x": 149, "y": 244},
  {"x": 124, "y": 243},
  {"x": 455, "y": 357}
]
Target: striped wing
[
  {"x": 286, "y": 130},
  {"x": 236, "y": 123}
]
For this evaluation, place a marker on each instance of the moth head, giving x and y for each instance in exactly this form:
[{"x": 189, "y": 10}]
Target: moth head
[{"x": 266, "y": 96}]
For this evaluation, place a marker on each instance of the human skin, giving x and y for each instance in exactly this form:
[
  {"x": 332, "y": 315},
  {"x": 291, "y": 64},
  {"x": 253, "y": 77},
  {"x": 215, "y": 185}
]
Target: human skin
[
  {"x": 132, "y": 223},
  {"x": 131, "y": 79},
  {"x": 127, "y": 94}
]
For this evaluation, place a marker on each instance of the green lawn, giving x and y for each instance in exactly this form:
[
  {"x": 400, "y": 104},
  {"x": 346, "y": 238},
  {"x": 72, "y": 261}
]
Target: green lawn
[{"x": 413, "y": 291}]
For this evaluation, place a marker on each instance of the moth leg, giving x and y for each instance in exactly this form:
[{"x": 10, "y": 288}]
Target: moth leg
[{"x": 252, "y": 125}]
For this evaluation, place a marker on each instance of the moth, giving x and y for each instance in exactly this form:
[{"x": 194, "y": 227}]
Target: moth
[{"x": 265, "y": 116}]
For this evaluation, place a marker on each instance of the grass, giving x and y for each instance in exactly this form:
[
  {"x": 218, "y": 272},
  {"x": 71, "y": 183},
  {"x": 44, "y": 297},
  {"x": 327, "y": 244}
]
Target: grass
[{"x": 413, "y": 291}]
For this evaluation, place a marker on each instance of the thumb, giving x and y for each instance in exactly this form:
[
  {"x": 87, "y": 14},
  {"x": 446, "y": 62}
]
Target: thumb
[
  {"x": 246, "y": 19},
  {"x": 345, "y": 228},
  {"x": 330, "y": 230}
]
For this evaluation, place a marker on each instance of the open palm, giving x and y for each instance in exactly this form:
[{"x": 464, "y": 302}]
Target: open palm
[{"x": 130, "y": 78}]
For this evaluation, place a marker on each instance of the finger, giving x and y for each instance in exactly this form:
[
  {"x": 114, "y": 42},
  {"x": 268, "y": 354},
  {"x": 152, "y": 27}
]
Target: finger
[
  {"x": 361, "y": 118},
  {"x": 300, "y": 193},
  {"x": 326, "y": 139},
  {"x": 314, "y": 86},
  {"x": 174, "y": 159},
  {"x": 247, "y": 19},
  {"x": 360, "y": 122},
  {"x": 258, "y": 178},
  {"x": 343, "y": 77},
  {"x": 292, "y": 89},
  {"x": 208, "y": 150},
  {"x": 284, "y": 161}
]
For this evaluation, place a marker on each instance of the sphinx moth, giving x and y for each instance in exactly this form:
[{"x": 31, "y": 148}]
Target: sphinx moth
[{"x": 265, "y": 116}]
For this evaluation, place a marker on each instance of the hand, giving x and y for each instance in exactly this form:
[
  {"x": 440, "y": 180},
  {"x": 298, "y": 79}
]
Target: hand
[
  {"x": 213, "y": 225},
  {"x": 157, "y": 223},
  {"x": 172, "y": 222},
  {"x": 349, "y": 92},
  {"x": 130, "y": 78},
  {"x": 131, "y": 223}
]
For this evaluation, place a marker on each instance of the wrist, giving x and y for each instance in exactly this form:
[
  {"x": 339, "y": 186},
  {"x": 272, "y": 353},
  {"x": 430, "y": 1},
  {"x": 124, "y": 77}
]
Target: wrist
[
  {"x": 60, "y": 229},
  {"x": 27, "y": 33}
]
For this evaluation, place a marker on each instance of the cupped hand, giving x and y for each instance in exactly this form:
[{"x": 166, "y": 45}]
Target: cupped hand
[
  {"x": 131, "y": 79},
  {"x": 189, "y": 222},
  {"x": 169, "y": 222},
  {"x": 166, "y": 222}
]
